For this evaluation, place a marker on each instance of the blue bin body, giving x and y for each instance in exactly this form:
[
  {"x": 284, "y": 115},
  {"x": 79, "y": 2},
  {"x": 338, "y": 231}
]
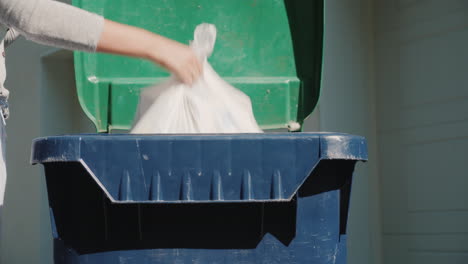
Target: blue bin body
[{"x": 247, "y": 198}]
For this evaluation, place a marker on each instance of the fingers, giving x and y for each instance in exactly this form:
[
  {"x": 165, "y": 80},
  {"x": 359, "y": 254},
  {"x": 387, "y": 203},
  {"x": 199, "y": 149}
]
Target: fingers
[
  {"x": 180, "y": 60},
  {"x": 191, "y": 71},
  {"x": 196, "y": 69},
  {"x": 186, "y": 77}
]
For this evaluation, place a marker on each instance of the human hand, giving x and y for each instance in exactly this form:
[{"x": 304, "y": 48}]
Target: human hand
[{"x": 178, "y": 58}]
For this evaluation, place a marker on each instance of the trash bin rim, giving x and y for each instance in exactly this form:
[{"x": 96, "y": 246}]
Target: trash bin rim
[{"x": 332, "y": 146}]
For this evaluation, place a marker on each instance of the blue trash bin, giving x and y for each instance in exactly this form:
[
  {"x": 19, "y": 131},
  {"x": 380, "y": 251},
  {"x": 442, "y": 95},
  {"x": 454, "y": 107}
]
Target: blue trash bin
[{"x": 247, "y": 198}]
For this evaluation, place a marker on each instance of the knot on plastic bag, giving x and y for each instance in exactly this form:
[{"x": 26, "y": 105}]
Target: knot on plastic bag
[{"x": 204, "y": 40}]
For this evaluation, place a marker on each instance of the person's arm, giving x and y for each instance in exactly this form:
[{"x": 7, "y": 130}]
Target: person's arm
[
  {"x": 135, "y": 42},
  {"x": 57, "y": 24}
]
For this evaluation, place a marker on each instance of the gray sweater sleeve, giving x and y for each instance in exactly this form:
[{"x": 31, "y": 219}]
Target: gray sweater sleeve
[{"x": 53, "y": 23}]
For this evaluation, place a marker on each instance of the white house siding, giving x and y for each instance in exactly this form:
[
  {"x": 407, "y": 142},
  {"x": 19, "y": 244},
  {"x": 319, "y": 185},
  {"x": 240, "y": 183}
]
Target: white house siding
[{"x": 422, "y": 110}]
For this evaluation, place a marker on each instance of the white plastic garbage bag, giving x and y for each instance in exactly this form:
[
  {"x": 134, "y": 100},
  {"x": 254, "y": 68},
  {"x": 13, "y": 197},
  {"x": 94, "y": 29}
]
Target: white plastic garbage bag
[{"x": 210, "y": 105}]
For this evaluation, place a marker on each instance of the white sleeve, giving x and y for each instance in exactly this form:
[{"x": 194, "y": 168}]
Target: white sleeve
[{"x": 53, "y": 23}]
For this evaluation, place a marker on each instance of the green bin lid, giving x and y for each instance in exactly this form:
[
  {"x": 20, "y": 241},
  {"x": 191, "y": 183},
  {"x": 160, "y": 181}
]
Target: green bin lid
[{"x": 270, "y": 49}]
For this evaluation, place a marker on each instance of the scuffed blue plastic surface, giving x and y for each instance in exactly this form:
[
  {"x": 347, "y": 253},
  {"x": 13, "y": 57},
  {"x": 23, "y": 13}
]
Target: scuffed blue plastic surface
[
  {"x": 247, "y": 198},
  {"x": 221, "y": 168}
]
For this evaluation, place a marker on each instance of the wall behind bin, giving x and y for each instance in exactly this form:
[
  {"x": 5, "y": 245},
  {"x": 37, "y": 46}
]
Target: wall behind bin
[
  {"x": 422, "y": 96},
  {"x": 43, "y": 102},
  {"x": 47, "y": 106},
  {"x": 347, "y": 104},
  {"x": 20, "y": 241}
]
